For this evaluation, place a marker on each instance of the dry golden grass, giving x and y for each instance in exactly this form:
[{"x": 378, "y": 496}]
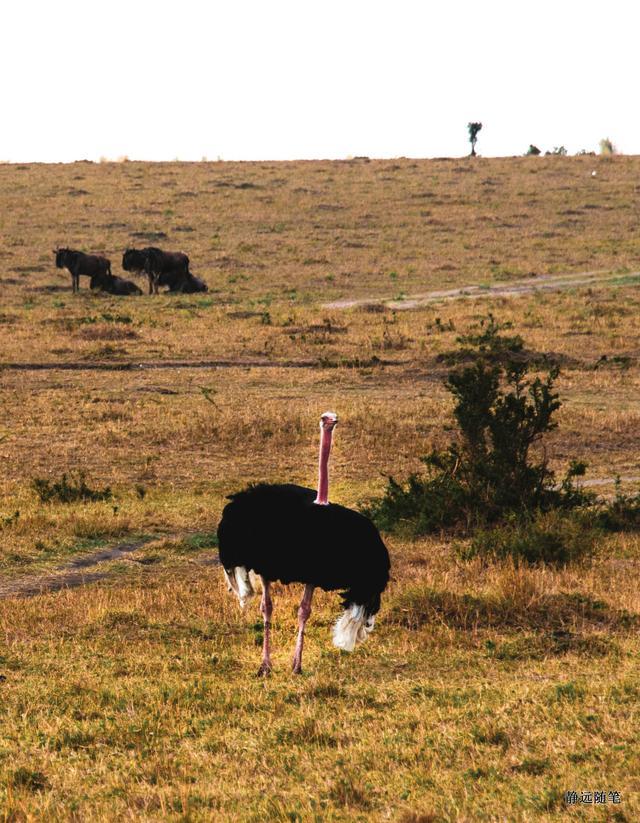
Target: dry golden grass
[
  {"x": 486, "y": 691},
  {"x": 138, "y": 701}
]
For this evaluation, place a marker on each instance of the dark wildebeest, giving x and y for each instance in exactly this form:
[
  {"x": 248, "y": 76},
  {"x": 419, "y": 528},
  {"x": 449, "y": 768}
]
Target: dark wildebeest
[
  {"x": 166, "y": 268},
  {"x": 163, "y": 268},
  {"x": 134, "y": 260},
  {"x": 190, "y": 285},
  {"x": 77, "y": 262},
  {"x": 112, "y": 284}
]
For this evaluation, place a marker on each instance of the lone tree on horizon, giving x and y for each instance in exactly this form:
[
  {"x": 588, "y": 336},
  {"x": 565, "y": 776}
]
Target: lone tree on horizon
[{"x": 474, "y": 128}]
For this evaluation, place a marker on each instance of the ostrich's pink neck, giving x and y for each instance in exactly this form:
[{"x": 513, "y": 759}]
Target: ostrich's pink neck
[{"x": 323, "y": 467}]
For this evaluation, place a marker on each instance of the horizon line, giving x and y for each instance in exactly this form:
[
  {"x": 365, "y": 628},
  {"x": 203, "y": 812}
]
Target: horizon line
[{"x": 346, "y": 159}]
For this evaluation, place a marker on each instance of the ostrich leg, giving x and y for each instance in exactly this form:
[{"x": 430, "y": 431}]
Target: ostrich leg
[
  {"x": 303, "y": 615},
  {"x": 266, "y": 607}
]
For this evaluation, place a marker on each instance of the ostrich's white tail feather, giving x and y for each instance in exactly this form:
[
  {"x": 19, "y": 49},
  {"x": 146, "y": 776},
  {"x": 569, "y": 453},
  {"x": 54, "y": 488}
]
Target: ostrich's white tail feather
[
  {"x": 242, "y": 582},
  {"x": 354, "y": 626}
]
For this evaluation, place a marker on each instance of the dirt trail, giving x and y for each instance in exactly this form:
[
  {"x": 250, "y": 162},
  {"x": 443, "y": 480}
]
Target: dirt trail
[
  {"x": 517, "y": 288},
  {"x": 608, "y": 481},
  {"x": 71, "y": 574},
  {"x": 74, "y": 574},
  {"x": 158, "y": 365},
  {"x": 154, "y": 365}
]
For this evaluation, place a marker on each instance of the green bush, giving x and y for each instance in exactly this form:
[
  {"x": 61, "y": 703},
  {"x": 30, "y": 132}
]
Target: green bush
[
  {"x": 423, "y": 505},
  {"x": 554, "y": 537},
  {"x": 487, "y": 471}
]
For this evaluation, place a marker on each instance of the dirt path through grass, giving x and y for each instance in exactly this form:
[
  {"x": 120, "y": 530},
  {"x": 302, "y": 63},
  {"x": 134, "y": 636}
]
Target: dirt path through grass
[
  {"x": 71, "y": 574},
  {"x": 517, "y": 288},
  {"x": 609, "y": 481},
  {"x": 158, "y": 365},
  {"x": 74, "y": 573},
  {"x": 152, "y": 365}
]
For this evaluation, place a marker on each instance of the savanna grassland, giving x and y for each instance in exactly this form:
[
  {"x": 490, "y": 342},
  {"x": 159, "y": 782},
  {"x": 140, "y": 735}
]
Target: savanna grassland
[{"x": 487, "y": 691}]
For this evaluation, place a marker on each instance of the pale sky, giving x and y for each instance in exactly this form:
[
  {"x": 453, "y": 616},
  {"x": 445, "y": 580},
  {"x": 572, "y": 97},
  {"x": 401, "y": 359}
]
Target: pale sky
[{"x": 249, "y": 80}]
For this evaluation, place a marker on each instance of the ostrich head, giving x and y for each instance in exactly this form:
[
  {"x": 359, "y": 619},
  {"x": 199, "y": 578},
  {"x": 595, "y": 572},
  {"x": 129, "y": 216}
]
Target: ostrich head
[{"x": 328, "y": 421}]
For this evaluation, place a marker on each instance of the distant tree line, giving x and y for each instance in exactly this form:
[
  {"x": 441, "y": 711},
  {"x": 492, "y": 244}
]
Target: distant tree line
[{"x": 607, "y": 148}]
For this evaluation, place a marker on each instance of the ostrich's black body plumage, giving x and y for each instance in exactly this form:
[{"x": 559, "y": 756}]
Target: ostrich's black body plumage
[{"x": 280, "y": 533}]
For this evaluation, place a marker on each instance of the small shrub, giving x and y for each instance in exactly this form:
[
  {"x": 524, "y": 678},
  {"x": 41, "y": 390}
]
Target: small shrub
[
  {"x": 555, "y": 537},
  {"x": 533, "y": 150},
  {"x": 489, "y": 343},
  {"x": 68, "y": 490},
  {"x": 620, "y": 514}
]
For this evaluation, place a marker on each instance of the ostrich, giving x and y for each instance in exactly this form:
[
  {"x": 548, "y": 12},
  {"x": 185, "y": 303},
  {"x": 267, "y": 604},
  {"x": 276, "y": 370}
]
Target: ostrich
[{"x": 293, "y": 534}]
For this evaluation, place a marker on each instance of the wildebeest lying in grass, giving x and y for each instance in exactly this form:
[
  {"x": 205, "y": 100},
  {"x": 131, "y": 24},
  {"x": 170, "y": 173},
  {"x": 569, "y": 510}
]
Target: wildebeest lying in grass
[
  {"x": 77, "y": 262},
  {"x": 163, "y": 268},
  {"x": 112, "y": 284},
  {"x": 190, "y": 285}
]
